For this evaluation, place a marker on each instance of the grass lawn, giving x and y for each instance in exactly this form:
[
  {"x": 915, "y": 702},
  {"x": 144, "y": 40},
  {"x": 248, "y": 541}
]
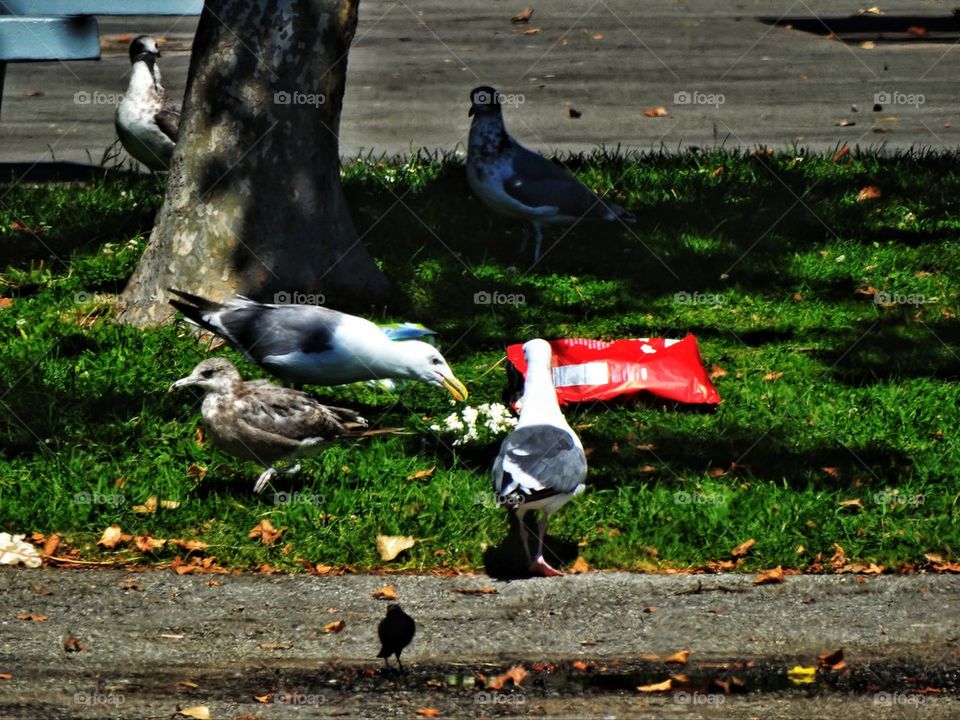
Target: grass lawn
[{"x": 772, "y": 262}]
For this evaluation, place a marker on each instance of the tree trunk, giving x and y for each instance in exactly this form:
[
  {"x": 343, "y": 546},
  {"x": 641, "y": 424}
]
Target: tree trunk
[{"x": 254, "y": 203}]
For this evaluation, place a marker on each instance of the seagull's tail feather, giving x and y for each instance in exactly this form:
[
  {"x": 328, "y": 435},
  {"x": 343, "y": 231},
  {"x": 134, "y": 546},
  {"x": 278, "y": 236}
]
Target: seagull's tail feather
[{"x": 198, "y": 310}]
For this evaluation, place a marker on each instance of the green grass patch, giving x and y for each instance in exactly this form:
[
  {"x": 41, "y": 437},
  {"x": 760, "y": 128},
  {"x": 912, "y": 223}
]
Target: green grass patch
[{"x": 772, "y": 262}]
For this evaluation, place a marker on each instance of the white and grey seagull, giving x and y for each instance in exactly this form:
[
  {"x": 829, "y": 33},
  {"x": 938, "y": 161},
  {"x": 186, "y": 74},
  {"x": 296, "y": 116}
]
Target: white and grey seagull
[
  {"x": 147, "y": 125},
  {"x": 541, "y": 464},
  {"x": 519, "y": 183},
  {"x": 257, "y": 420},
  {"x": 308, "y": 344}
]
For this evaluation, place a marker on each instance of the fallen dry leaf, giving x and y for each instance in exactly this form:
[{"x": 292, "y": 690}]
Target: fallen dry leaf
[
  {"x": 843, "y": 122},
  {"x": 112, "y": 536},
  {"x": 852, "y": 503},
  {"x": 531, "y": 31},
  {"x": 428, "y": 712},
  {"x": 275, "y": 646},
  {"x": 267, "y": 533},
  {"x": 833, "y": 660},
  {"x": 6, "y": 676},
  {"x": 678, "y": 658},
  {"x": 664, "y": 686},
  {"x": 476, "y": 591},
  {"x": 579, "y": 566},
  {"x": 150, "y": 506},
  {"x": 51, "y": 544},
  {"x": 145, "y": 543},
  {"x": 420, "y": 474},
  {"x": 771, "y": 376},
  {"x": 870, "y": 192},
  {"x": 579, "y": 665},
  {"x": 716, "y": 472},
  {"x": 189, "y": 545},
  {"x": 656, "y": 112},
  {"x": 839, "y": 558},
  {"x": 72, "y": 645},
  {"x": 933, "y": 557},
  {"x": 523, "y": 16},
  {"x": 387, "y": 592},
  {"x": 743, "y": 548},
  {"x": 597, "y": 36},
  {"x": 5, "y": 302},
  {"x": 389, "y": 546},
  {"x": 32, "y": 617},
  {"x": 716, "y": 372},
  {"x": 770, "y": 576},
  {"x": 842, "y": 152},
  {"x": 335, "y": 626},
  {"x": 188, "y": 684},
  {"x": 198, "y": 712},
  {"x": 516, "y": 674}
]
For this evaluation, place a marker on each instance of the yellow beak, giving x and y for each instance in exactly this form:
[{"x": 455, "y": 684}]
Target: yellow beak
[{"x": 454, "y": 387}]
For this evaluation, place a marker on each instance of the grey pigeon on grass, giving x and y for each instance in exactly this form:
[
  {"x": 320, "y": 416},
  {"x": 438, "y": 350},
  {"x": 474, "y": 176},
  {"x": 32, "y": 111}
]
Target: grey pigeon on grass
[
  {"x": 314, "y": 345},
  {"x": 541, "y": 464},
  {"x": 519, "y": 183},
  {"x": 257, "y": 420},
  {"x": 395, "y": 631},
  {"x": 147, "y": 125}
]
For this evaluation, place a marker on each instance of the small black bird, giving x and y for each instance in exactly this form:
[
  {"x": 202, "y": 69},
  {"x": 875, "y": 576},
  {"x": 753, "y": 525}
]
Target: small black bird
[{"x": 396, "y": 631}]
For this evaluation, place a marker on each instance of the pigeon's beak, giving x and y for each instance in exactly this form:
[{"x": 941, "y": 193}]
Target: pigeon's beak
[
  {"x": 470, "y": 111},
  {"x": 454, "y": 387}
]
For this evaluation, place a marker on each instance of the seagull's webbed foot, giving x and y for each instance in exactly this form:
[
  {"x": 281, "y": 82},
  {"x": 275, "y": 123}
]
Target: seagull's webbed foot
[
  {"x": 541, "y": 567},
  {"x": 265, "y": 477}
]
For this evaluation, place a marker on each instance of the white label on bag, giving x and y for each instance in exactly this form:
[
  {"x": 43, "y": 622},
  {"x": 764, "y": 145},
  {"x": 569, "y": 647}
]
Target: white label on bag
[{"x": 592, "y": 373}]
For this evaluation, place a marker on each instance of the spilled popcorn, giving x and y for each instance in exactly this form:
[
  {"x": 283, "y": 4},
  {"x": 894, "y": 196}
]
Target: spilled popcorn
[
  {"x": 477, "y": 425},
  {"x": 14, "y": 550}
]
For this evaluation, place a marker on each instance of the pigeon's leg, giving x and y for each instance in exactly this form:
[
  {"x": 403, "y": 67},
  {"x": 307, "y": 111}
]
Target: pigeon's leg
[
  {"x": 265, "y": 477},
  {"x": 537, "y": 242},
  {"x": 293, "y": 470},
  {"x": 400, "y": 664},
  {"x": 386, "y": 663},
  {"x": 525, "y": 238},
  {"x": 539, "y": 565}
]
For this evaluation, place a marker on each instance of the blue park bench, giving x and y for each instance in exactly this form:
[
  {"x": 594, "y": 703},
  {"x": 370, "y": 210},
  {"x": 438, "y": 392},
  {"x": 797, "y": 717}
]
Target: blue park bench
[{"x": 44, "y": 30}]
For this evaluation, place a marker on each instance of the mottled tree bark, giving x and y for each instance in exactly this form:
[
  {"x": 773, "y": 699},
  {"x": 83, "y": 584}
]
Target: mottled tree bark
[{"x": 254, "y": 203}]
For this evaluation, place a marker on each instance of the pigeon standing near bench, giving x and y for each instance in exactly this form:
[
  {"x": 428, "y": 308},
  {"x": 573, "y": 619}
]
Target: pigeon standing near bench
[
  {"x": 541, "y": 464},
  {"x": 148, "y": 126},
  {"x": 257, "y": 420},
  {"x": 519, "y": 183},
  {"x": 395, "y": 631}
]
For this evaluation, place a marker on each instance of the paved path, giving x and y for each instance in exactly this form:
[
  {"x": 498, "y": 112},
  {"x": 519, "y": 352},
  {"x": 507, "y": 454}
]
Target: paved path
[
  {"x": 414, "y": 62},
  {"x": 145, "y": 634}
]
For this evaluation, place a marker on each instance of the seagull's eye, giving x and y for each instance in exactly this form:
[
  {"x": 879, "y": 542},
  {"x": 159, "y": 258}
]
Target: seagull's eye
[
  {"x": 437, "y": 361},
  {"x": 207, "y": 373}
]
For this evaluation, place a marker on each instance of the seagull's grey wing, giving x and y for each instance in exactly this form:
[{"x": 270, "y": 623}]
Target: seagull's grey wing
[
  {"x": 262, "y": 331},
  {"x": 168, "y": 120},
  {"x": 538, "y": 182},
  {"x": 539, "y": 461},
  {"x": 292, "y": 414}
]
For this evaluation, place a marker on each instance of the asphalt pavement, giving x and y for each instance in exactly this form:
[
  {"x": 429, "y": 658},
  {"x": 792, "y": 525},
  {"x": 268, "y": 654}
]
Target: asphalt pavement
[
  {"x": 726, "y": 74},
  {"x": 152, "y": 642}
]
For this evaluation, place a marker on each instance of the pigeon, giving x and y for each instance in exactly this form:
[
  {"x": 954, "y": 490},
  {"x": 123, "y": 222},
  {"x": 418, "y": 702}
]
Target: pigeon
[
  {"x": 147, "y": 125},
  {"x": 396, "y": 631},
  {"x": 257, "y": 420},
  {"x": 308, "y": 344},
  {"x": 541, "y": 464},
  {"x": 519, "y": 183}
]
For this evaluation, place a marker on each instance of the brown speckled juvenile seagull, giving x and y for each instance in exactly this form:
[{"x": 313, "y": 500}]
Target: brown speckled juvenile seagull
[{"x": 257, "y": 420}]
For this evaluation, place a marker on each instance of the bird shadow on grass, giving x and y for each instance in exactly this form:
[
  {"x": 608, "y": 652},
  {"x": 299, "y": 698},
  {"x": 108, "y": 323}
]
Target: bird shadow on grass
[{"x": 508, "y": 561}]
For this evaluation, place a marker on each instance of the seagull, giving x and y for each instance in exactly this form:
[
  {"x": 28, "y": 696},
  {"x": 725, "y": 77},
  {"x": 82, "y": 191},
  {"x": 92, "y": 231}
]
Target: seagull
[
  {"x": 519, "y": 183},
  {"x": 147, "y": 125},
  {"x": 541, "y": 464},
  {"x": 307, "y": 344},
  {"x": 257, "y": 420},
  {"x": 396, "y": 631}
]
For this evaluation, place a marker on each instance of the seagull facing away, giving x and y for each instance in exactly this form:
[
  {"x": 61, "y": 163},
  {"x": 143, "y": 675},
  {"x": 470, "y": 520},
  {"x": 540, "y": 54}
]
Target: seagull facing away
[
  {"x": 519, "y": 183},
  {"x": 147, "y": 125},
  {"x": 257, "y": 420},
  {"x": 307, "y": 344},
  {"x": 541, "y": 464},
  {"x": 396, "y": 631}
]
